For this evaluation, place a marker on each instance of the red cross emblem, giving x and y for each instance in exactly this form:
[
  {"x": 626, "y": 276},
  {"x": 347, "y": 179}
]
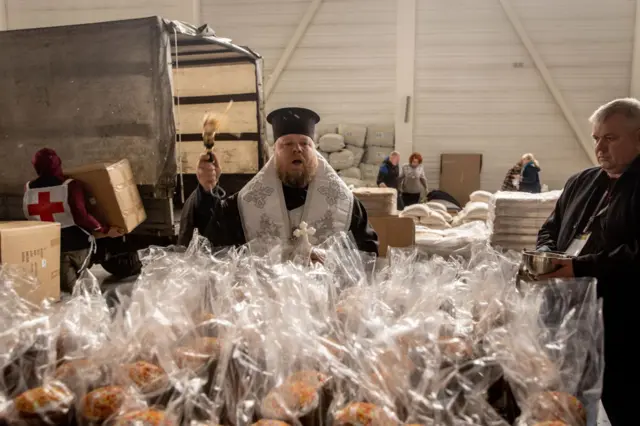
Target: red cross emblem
[{"x": 45, "y": 208}]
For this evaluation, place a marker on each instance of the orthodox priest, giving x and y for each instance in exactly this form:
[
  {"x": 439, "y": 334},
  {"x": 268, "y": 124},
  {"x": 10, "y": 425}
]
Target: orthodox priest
[{"x": 296, "y": 185}]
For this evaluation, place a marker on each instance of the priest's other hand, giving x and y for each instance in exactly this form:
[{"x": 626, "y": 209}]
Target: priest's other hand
[
  {"x": 208, "y": 172},
  {"x": 565, "y": 270}
]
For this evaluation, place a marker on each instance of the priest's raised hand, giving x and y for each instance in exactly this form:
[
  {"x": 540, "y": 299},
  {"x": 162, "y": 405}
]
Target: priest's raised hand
[{"x": 208, "y": 172}]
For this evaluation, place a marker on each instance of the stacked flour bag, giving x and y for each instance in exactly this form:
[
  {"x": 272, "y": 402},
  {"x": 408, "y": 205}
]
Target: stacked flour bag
[
  {"x": 516, "y": 217},
  {"x": 457, "y": 241},
  {"x": 477, "y": 209},
  {"x": 428, "y": 217},
  {"x": 379, "y": 143},
  {"x": 343, "y": 147}
]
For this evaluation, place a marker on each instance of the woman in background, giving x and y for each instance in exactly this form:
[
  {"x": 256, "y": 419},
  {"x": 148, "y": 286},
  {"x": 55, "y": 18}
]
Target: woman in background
[
  {"x": 413, "y": 181},
  {"x": 512, "y": 179},
  {"x": 530, "y": 178}
]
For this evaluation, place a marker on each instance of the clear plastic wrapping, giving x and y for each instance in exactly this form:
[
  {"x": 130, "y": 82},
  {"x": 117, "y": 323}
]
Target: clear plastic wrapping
[{"x": 262, "y": 335}]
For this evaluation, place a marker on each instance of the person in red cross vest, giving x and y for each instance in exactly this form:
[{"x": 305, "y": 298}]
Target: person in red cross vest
[{"x": 54, "y": 198}]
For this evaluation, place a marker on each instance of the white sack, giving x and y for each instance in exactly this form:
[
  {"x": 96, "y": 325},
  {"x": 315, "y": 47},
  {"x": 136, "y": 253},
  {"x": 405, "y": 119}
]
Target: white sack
[
  {"x": 341, "y": 160},
  {"x": 353, "y": 135},
  {"x": 476, "y": 210},
  {"x": 323, "y": 129},
  {"x": 376, "y": 154},
  {"x": 358, "y": 153},
  {"x": 434, "y": 205},
  {"x": 481, "y": 196},
  {"x": 331, "y": 142},
  {"x": 416, "y": 210},
  {"x": 351, "y": 172},
  {"x": 380, "y": 135},
  {"x": 369, "y": 172},
  {"x": 431, "y": 223},
  {"x": 325, "y": 155},
  {"x": 356, "y": 183}
]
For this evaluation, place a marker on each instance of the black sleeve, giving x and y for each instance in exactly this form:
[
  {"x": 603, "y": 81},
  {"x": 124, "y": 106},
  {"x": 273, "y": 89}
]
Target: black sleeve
[
  {"x": 366, "y": 238},
  {"x": 207, "y": 206},
  {"x": 548, "y": 234},
  {"x": 383, "y": 172}
]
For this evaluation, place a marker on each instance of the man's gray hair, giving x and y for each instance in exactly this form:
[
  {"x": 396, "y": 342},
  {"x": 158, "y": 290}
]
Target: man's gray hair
[{"x": 628, "y": 107}]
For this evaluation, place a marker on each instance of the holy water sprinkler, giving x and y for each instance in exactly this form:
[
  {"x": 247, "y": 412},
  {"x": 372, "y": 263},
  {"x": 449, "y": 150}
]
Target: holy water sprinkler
[{"x": 210, "y": 126}]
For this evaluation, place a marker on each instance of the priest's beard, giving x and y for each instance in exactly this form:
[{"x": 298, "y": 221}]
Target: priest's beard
[{"x": 298, "y": 178}]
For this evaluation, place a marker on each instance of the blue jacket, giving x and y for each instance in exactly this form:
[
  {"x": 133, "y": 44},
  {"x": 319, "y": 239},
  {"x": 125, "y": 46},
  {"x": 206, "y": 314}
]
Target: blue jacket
[
  {"x": 530, "y": 180},
  {"x": 388, "y": 174}
]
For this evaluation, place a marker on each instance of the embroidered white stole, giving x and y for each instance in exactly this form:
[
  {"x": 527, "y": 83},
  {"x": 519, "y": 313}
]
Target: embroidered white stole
[{"x": 327, "y": 208}]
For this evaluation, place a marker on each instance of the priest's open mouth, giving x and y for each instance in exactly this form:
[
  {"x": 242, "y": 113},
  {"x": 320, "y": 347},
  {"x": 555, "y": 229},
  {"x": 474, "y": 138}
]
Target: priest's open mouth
[{"x": 297, "y": 162}]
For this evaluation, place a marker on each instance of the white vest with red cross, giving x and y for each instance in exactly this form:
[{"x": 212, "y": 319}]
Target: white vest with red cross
[{"x": 48, "y": 204}]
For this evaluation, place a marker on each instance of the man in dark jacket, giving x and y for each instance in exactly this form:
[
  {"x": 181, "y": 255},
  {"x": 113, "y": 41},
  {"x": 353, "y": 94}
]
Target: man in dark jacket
[
  {"x": 597, "y": 220},
  {"x": 389, "y": 174},
  {"x": 54, "y": 198}
]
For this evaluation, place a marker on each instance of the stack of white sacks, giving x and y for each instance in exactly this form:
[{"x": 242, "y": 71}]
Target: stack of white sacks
[
  {"x": 355, "y": 151},
  {"x": 431, "y": 215},
  {"x": 477, "y": 209},
  {"x": 516, "y": 217}
]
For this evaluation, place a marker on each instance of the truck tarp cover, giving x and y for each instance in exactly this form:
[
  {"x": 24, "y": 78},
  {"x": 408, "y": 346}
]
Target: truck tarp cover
[{"x": 94, "y": 93}]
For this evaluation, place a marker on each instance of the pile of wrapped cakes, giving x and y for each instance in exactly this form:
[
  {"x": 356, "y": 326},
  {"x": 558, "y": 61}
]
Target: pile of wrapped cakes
[{"x": 249, "y": 336}]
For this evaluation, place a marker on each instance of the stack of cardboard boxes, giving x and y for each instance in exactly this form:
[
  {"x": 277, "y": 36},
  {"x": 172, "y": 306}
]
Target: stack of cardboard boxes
[{"x": 34, "y": 247}]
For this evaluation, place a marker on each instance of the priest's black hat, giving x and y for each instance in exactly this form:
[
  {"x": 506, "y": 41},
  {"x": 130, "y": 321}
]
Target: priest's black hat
[{"x": 293, "y": 121}]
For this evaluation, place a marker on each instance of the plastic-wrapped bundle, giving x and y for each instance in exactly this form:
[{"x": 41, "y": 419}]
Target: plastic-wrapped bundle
[
  {"x": 457, "y": 241},
  {"x": 380, "y": 135},
  {"x": 331, "y": 143},
  {"x": 358, "y": 154},
  {"x": 369, "y": 172},
  {"x": 516, "y": 217},
  {"x": 353, "y": 135},
  {"x": 378, "y": 201},
  {"x": 422, "y": 214},
  {"x": 375, "y": 155},
  {"x": 341, "y": 160},
  {"x": 268, "y": 334},
  {"x": 351, "y": 172}
]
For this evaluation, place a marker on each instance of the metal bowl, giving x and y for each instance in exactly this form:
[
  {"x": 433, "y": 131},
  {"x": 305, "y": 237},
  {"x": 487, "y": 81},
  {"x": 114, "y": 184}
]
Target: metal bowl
[{"x": 540, "y": 263}]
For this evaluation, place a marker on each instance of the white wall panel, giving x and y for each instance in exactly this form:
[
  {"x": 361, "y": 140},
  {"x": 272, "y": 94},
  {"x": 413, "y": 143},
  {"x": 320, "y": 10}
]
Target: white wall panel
[
  {"x": 343, "y": 67},
  {"x": 44, "y": 13},
  {"x": 477, "y": 89}
]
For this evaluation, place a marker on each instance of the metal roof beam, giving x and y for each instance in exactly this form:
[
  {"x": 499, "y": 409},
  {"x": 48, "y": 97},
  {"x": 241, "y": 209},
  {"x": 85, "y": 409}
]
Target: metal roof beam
[
  {"x": 291, "y": 47},
  {"x": 583, "y": 139}
]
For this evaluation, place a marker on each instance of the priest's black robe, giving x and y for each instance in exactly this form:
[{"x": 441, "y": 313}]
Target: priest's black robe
[{"x": 219, "y": 219}]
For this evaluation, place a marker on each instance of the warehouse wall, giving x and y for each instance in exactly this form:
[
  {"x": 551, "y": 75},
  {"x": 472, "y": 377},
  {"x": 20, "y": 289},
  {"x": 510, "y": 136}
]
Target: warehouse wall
[
  {"x": 43, "y": 13},
  {"x": 476, "y": 87},
  {"x": 344, "y": 66}
]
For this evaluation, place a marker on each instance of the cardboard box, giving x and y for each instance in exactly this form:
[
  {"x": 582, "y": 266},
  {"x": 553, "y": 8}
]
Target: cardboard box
[
  {"x": 460, "y": 175},
  {"x": 393, "y": 231},
  {"x": 115, "y": 200},
  {"x": 35, "y": 248}
]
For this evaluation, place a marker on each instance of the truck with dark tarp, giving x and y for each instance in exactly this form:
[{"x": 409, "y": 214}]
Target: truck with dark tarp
[{"x": 135, "y": 89}]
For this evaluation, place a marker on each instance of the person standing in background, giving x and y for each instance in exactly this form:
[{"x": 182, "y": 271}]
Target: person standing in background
[
  {"x": 530, "y": 177},
  {"x": 54, "y": 198},
  {"x": 512, "y": 179},
  {"x": 389, "y": 174},
  {"x": 412, "y": 180}
]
